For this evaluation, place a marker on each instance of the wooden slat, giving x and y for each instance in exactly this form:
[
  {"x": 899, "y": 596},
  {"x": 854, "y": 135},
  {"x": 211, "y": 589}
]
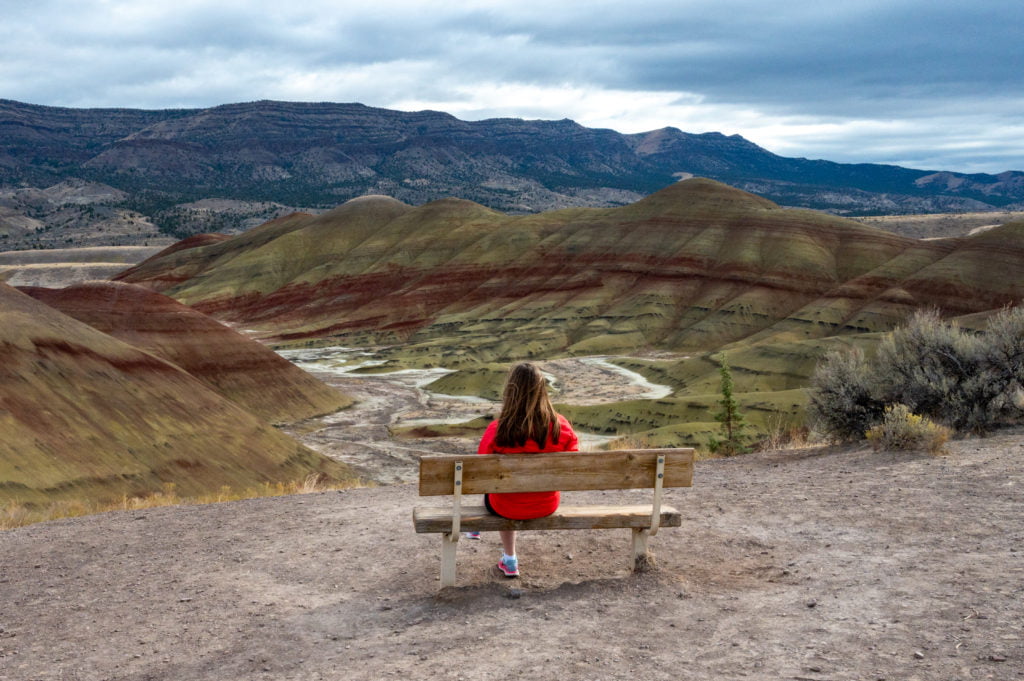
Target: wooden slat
[
  {"x": 476, "y": 518},
  {"x": 565, "y": 471}
]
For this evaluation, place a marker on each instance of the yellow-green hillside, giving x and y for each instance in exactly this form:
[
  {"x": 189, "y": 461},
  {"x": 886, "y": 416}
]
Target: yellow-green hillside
[
  {"x": 691, "y": 268},
  {"x": 87, "y": 417},
  {"x": 239, "y": 368}
]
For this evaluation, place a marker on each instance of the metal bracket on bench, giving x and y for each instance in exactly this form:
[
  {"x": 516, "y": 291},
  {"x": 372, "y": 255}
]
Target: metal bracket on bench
[
  {"x": 659, "y": 478},
  {"x": 457, "y": 505}
]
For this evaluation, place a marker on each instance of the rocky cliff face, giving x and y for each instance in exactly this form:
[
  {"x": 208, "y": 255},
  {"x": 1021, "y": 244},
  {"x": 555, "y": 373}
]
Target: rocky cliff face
[{"x": 300, "y": 154}]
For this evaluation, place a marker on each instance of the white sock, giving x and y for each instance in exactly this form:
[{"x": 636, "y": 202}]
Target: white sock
[{"x": 505, "y": 557}]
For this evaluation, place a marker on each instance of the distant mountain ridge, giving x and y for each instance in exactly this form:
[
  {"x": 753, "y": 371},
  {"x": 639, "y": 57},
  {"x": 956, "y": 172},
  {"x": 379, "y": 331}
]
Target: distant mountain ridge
[{"x": 320, "y": 154}]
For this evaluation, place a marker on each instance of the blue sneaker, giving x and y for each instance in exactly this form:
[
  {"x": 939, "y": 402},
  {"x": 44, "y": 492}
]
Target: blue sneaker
[
  {"x": 472, "y": 535},
  {"x": 509, "y": 566}
]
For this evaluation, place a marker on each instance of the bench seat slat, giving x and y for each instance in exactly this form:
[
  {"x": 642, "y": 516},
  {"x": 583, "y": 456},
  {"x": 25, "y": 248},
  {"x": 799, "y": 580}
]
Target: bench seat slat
[
  {"x": 623, "y": 469},
  {"x": 567, "y": 517}
]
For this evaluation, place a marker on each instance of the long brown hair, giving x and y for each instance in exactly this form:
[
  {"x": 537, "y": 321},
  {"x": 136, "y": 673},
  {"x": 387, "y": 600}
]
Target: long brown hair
[{"x": 526, "y": 411}]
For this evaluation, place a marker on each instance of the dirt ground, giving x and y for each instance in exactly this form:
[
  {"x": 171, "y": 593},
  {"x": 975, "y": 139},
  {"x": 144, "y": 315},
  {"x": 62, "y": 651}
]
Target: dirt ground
[{"x": 809, "y": 564}]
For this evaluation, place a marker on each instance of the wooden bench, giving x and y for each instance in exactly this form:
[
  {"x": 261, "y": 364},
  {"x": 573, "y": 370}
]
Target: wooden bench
[{"x": 565, "y": 471}]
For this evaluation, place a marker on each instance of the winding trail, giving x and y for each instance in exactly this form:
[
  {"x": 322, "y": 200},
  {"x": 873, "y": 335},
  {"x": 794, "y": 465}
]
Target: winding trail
[{"x": 360, "y": 436}]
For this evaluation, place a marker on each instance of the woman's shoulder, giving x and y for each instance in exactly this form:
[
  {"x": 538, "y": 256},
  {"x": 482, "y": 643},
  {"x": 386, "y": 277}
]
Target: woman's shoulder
[
  {"x": 486, "y": 445},
  {"x": 566, "y": 435}
]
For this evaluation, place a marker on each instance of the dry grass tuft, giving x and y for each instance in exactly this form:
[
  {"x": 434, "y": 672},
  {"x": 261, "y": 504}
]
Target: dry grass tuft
[
  {"x": 901, "y": 429},
  {"x": 636, "y": 441},
  {"x": 783, "y": 431},
  {"x": 643, "y": 441},
  {"x": 15, "y": 515}
]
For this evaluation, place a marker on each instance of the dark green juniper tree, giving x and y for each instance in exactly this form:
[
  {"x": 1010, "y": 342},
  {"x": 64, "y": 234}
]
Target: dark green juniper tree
[{"x": 730, "y": 417}]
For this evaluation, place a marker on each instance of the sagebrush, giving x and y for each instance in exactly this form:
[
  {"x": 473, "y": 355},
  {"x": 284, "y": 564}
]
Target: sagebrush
[
  {"x": 968, "y": 381},
  {"x": 843, "y": 401}
]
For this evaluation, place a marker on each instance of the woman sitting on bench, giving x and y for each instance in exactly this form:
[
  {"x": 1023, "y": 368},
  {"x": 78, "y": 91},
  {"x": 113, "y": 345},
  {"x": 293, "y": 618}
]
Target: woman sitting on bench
[{"x": 528, "y": 424}]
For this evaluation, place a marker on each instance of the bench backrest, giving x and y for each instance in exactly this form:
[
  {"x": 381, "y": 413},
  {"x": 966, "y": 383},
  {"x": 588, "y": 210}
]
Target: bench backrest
[{"x": 564, "y": 471}]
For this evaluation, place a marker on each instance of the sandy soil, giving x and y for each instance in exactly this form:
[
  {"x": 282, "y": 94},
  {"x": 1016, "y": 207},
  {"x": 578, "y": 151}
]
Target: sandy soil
[
  {"x": 58, "y": 276},
  {"x": 595, "y": 380},
  {"x": 813, "y": 564},
  {"x": 127, "y": 255},
  {"x": 361, "y": 435}
]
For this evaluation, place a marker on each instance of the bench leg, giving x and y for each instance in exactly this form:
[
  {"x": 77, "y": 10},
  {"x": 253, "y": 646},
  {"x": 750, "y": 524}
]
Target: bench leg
[
  {"x": 641, "y": 558},
  {"x": 448, "y": 546}
]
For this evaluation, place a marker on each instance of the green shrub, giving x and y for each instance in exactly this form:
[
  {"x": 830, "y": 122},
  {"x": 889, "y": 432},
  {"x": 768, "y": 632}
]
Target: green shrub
[
  {"x": 902, "y": 429},
  {"x": 842, "y": 401},
  {"x": 939, "y": 370},
  {"x": 967, "y": 381},
  {"x": 1005, "y": 362}
]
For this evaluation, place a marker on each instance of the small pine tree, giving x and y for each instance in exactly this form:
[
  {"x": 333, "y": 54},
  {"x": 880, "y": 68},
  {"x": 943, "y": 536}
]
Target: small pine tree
[{"x": 730, "y": 417}]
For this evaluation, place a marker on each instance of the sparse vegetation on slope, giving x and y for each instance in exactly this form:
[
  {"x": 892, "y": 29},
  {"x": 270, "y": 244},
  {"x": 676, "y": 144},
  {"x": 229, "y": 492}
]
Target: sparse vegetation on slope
[
  {"x": 86, "y": 417},
  {"x": 14, "y": 514}
]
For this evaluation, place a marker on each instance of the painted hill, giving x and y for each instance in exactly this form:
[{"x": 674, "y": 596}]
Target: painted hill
[
  {"x": 693, "y": 267},
  {"x": 692, "y": 270},
  {"x": 85, "y": 416},
  {"x": 233, "y": 365}
]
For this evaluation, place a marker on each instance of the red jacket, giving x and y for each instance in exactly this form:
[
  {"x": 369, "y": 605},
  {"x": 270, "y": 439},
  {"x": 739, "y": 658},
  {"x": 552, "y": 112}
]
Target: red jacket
[{"x": 526, "y": 505}]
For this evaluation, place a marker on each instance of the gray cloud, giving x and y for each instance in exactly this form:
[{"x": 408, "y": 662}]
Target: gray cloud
[
  {"x": 934, "y": 83},
  {"x": 813, "y": 59}
]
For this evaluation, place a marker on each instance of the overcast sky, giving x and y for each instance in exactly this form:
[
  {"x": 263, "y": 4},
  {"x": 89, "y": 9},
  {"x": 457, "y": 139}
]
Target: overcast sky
[{"x": 931, "y": 84}]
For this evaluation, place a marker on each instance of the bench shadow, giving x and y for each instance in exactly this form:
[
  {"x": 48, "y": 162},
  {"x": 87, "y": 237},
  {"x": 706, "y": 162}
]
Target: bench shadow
[
  {"x": 364, "y": 617},
  {"x": 535, "y": 591}
]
